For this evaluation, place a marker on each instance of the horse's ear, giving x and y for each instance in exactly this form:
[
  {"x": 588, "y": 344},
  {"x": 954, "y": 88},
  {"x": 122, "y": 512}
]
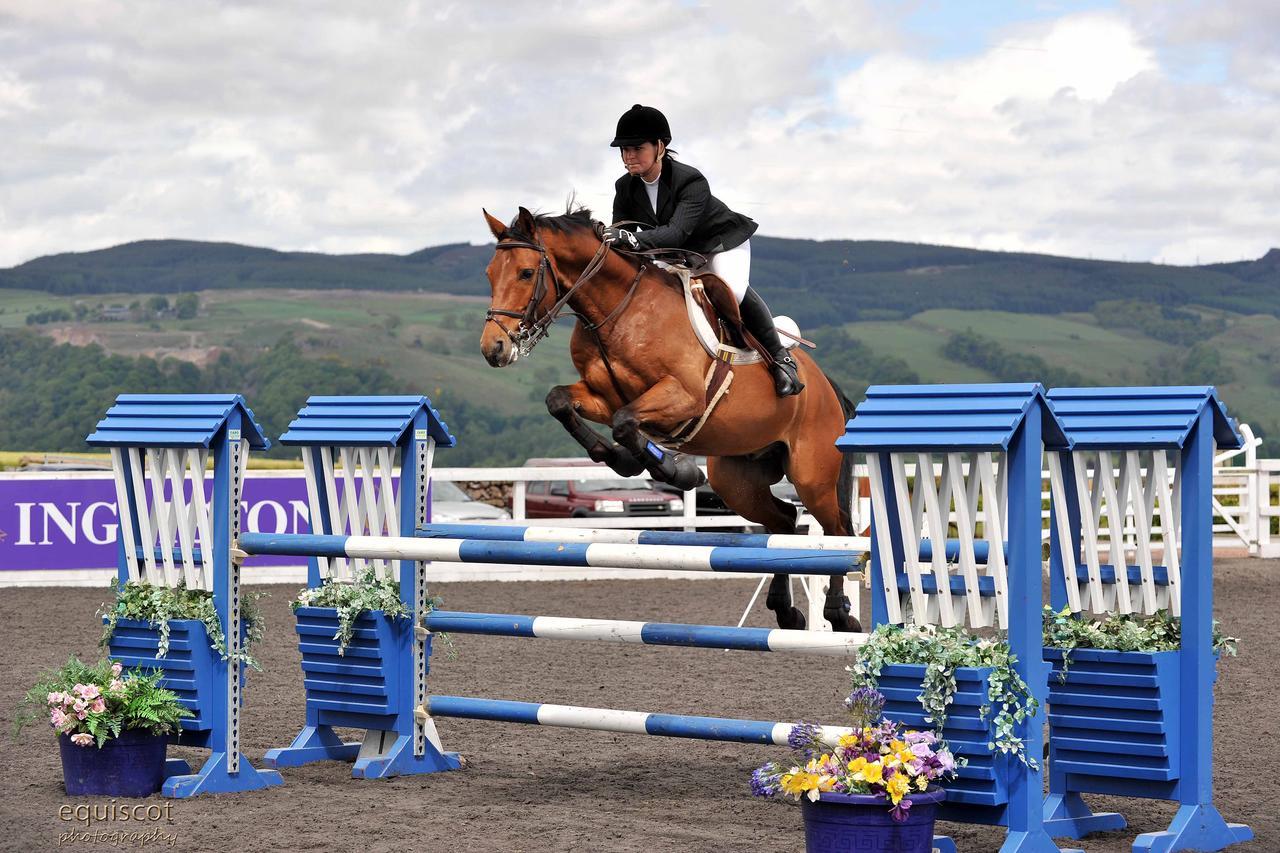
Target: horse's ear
[
  {"x": 524, "y": 222},
  {"x": 495, "y": 225}
]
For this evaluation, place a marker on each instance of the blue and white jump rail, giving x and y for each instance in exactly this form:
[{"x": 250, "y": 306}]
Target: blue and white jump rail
[
  {"x": 689, "y": 558},
  {"x": 350, "y": 447},
  {"x": 174, "y": 534},
  {"x": 989, "y": 440},
  {"x": 622, "y": 722},
  {"x": 644, "y": 633},
  {"x": 1136, "y": 724}
]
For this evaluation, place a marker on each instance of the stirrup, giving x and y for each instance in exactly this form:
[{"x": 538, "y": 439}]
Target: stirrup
[{"x": 786, "y": 378}]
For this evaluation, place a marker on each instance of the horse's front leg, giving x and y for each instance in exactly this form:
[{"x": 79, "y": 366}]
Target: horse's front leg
[
  {"x": 663, "y": 407},
  {"x": 569, "y": 404}
]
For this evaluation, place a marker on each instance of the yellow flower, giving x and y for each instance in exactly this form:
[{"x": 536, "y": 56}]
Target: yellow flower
[
  {"x": 922, "y": 782},
  {"x": 797, "y": 783},
  {"x": 873, "y": 772},
  {"x": 856, "y": 766},
  {"x": 897, "y": 787},
  {"x": 906, "y": 756},
  {"x": 848, "y": 741}
]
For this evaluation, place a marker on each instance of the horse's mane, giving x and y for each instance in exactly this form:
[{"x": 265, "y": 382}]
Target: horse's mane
[{"x": 575, "y": 218}]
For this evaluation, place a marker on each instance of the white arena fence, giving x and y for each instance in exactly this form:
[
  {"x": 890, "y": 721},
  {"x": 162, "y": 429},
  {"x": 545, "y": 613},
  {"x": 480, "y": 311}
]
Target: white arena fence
[{"x": 1246, "y": 508}]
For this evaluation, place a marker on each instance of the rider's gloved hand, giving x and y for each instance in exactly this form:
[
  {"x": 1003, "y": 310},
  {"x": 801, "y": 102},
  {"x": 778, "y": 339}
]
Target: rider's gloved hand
[{"x": 621, "y": 236}]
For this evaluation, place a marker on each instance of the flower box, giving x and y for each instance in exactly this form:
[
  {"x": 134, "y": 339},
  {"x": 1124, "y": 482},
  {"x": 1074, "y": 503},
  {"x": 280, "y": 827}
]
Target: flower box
[
  {"x": 131, "y": 765},
  {"x": 356, "y": 688},
  {"x": 1116, "y": 717},
  {"x": 854, "y": 822},
  {"x": 190, "y": 667},
  {"x": 984, "y": 780}
]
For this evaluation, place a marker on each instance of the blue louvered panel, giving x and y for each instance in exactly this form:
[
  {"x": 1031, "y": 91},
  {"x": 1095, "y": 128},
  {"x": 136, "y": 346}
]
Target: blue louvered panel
[
  {"x": 174, "y": 420},
  {"x": 376, "y": 421},
  {"x": 1151, "y": 417},
  {"x": 942, "y": 417}
]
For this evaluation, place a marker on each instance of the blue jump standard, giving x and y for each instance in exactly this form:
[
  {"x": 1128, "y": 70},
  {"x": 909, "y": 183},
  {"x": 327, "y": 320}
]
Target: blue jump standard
[{"x": 581, "y": 555}]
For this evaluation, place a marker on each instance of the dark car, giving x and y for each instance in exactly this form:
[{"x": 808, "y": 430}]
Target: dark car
[{"x": 588, "y": 498}]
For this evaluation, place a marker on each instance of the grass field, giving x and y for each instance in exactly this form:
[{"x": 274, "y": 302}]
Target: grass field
[
  {"x": 1077, "y": 342},
  {"x": 431, "y": 342}
]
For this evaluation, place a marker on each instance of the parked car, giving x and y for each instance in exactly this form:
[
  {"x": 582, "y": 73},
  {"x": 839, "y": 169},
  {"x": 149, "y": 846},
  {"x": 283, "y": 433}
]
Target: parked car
[
  {"x": 451, "y": 505},
  {"x": 583, "y": 498}
]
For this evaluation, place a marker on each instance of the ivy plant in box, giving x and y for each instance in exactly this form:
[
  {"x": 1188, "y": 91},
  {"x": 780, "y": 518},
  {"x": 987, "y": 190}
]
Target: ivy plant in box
[
  {"x": 1122, "y": 632},
  {"x": 942, "y": 651},
  {"x": 351, "y": 598},
  {"x": 161, "y": 604}
]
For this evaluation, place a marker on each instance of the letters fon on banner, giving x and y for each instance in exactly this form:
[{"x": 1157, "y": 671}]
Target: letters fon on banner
[{"x": 63, "y": 523}]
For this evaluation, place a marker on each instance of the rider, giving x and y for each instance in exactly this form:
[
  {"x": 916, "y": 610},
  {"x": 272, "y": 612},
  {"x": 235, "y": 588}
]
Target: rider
[{"x": 674, "y": 203}]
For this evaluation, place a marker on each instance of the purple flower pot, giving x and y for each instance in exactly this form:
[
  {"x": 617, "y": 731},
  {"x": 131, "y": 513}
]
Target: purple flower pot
[
  {"x": 131, "y": 765},
  {"x": 839, "y": 822}
]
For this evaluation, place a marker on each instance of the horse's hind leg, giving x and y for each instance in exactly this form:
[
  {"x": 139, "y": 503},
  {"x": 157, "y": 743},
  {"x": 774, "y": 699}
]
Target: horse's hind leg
[
  {"x": 743, "y": 484},
  {"x": 569, "y": 404},
  {"x": 815, "y": 470}
]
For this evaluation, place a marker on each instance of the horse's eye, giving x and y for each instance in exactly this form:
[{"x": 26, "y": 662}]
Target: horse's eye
[{"x": 526, "y": 274}]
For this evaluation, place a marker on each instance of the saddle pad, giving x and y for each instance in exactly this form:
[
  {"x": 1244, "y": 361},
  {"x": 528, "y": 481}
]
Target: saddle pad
[{"x": 707, "y": 335}]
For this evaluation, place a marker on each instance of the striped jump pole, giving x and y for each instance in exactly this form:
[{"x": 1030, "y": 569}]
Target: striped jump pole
[
  {"x": 784, "y": 561},
  {"x": 619, "y": 722},
  {"x": 646, "y": 633},
  {"x": 618, "y": 536}
]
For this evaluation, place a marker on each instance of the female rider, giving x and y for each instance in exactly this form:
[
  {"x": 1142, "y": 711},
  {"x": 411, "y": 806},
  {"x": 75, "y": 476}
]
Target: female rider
[{"x": 674, "y": 203}]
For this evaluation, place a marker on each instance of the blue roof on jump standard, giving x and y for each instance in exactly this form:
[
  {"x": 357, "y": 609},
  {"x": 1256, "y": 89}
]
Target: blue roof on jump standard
[
  {"x": 945, "y": 418},
  {"x": 363, "y": 422},
  {"x": 1152, "y": 417},
  {"x": 174, "y": 420}
]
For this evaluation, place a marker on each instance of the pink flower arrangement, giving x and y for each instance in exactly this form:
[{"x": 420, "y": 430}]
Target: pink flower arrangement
[{"x": 93, "y": 703}]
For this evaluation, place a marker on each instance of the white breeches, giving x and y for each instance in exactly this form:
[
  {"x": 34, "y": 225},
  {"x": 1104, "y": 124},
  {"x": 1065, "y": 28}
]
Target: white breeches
[{"x": 734, "y": 267}]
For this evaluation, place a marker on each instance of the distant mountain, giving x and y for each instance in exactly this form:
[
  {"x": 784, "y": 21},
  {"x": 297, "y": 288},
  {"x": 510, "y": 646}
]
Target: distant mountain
[{"x": 819, "y": 282}]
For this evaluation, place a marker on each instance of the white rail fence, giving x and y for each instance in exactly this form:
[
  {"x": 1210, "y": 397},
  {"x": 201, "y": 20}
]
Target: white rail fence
[{"x": 1245, "y": 502}]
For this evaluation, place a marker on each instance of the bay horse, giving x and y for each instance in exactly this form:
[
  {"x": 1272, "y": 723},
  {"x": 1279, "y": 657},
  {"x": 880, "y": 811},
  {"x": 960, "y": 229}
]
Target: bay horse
[{"x": 643, "y": 373}]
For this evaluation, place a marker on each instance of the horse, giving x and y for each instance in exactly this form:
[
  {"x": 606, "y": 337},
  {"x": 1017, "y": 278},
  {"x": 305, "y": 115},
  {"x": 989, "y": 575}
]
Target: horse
[{"x": 643, "y": 374}]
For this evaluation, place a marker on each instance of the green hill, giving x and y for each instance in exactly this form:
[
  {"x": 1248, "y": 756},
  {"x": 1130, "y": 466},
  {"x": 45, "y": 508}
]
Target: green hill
[
  {"x": 77, "y": 328},
  {"x": 819, "y": 281}
]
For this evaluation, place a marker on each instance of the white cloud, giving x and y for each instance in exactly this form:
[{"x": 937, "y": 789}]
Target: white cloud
[{"x": 305, "y": 125}]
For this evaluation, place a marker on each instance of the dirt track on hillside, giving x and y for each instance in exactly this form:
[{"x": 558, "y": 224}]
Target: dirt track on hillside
[{"x": 541, "y": 789}]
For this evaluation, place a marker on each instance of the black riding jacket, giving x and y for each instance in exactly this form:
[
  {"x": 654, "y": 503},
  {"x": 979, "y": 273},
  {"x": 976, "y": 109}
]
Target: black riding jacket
[{"x": 689, "y": 216}]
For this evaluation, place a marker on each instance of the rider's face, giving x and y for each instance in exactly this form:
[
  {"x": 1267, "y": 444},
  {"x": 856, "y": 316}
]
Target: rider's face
[{"x": 642, "y": 160}]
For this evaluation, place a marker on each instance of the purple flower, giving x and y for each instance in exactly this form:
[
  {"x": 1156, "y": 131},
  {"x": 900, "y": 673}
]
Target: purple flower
[
  {"x": 865, "y": 705},
  {"x": 803, "y": 735},
  {"x": 899, "y": 812},
  {"x": 763, "y": 783}
]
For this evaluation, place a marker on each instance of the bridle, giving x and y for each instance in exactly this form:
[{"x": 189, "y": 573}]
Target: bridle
[{"x": 533, "y": 328}]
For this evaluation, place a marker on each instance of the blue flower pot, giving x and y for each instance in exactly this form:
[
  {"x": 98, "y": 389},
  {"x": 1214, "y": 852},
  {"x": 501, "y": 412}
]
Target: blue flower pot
[
  {"x": 844, "y": 822},
  {"x": 131, "y": 765}
]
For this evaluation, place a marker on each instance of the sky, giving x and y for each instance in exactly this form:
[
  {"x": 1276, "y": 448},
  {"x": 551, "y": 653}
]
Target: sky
[{"x": 1129, "y": 130}]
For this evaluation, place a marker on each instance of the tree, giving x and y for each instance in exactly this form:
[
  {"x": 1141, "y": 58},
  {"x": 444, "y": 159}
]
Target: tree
[{"x": 187, "y": 305}]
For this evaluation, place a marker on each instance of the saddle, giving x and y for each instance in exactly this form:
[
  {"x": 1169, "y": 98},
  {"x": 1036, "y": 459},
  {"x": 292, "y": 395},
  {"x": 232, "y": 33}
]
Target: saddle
[{"x": 717, "y": 324}]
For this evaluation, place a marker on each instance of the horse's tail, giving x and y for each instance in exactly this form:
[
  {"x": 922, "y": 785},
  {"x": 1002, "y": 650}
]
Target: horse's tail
[{"x": 844, "y": 485}]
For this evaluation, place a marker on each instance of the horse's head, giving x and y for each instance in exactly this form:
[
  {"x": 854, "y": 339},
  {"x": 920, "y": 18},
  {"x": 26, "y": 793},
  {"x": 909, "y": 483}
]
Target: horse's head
[{"x": 524, "y": 287}]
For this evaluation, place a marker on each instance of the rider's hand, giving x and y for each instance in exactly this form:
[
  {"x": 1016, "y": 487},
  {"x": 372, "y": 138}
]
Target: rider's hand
[{"x": 621, "y": 236}]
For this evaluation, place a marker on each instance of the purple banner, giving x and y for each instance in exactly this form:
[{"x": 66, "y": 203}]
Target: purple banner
[{"x": 68, "y": 521}]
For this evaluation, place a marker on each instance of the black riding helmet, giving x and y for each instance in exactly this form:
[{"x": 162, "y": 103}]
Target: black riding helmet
[{"x": 639, "y": 125}]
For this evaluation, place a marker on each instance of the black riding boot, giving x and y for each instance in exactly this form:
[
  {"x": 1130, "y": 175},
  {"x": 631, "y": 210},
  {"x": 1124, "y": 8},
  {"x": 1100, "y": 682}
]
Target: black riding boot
[{"x": 759, "y": 321}]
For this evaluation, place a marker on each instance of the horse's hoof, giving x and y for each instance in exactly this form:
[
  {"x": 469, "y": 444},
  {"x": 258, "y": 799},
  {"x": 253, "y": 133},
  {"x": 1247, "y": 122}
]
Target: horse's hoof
[
  {"x": 788, "y": 617},
  {"x": 687, "y": 474},
  {"x": 792, "y": 621},
  {"x": 845, "y": 625},
  {"x": 840, "y": 615}
]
